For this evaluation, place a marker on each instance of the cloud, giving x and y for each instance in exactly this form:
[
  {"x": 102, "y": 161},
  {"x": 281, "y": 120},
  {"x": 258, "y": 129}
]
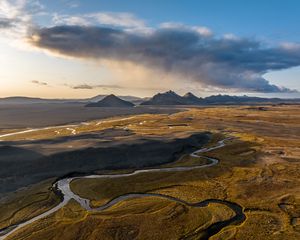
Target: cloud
[
  {"x": 116, "y": 19},
  {"x": 71, "y": 4},
  {"x": 5, "y": 23},
  {"x": 83, "y": 86},
  {"x": 227, "y": 62},
  {"x": 70, "y": 20},
  {"x": 10, "y": 17},
  {"x": 204, "y": 31},
  {"x": 291, "y": 46},
  {"x": 39, "y": 83},
  {"x": 87, "y": 86},
  {"x": 16, "y": 17}
]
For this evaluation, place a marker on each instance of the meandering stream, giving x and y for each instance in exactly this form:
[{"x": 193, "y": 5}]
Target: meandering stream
[{"x": 63, "y": 185}]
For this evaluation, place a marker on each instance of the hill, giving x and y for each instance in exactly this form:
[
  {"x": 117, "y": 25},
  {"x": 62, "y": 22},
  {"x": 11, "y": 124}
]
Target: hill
[{"x": 111, "y": 101}]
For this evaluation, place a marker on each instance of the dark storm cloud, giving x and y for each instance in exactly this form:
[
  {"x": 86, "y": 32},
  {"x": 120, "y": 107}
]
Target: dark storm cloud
[{"x": 218, "y": 62}]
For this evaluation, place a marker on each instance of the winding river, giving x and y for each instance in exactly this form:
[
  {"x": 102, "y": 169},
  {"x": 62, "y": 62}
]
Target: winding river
[{"x": 63, "y": 185}]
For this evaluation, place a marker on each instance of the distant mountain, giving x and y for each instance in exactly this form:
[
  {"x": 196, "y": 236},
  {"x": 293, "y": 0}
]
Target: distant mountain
[
  {"x": 192, "y": 99},
  {"x": 135, "y": 100},
  {"x": 30, "y": 100},
  {"x": 167, "y": 98},
  {"x": 171, "y": 98},
  {"x": 111, "y": 101},
  {"x": 227, "y": 99},
  {"x": 96, "y": 98}
]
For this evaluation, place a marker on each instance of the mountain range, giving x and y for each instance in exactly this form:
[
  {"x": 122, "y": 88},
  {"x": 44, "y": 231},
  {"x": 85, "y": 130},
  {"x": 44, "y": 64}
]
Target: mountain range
[
  {"x": 171, "y": 98},
  {"x": 167, "y": 98}
]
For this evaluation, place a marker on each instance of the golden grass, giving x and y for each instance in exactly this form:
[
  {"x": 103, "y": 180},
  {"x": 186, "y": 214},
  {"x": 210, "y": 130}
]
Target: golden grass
[
  {"x": 27, "y": 203},
  {"x": 259, "y": 170},
  {"x": 146, "y": 218}
]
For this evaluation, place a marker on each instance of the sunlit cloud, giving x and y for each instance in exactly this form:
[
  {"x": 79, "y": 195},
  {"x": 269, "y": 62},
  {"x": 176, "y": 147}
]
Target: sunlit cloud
[
  {"x": 16, "y": 17},
  {"x": 90, "y": 86},
  {"x": 126, "y": 20},
  {"x": 85, "y": 86},
  {"x": 178, "y": 51},
  {"x": 140, "y": 56},
  {"x": 291, "y": 46},
  {"x": 204, "y": 31}
]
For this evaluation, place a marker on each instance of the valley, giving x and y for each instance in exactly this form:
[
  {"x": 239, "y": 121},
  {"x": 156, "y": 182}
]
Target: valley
[{"x": 257, "y": 170}]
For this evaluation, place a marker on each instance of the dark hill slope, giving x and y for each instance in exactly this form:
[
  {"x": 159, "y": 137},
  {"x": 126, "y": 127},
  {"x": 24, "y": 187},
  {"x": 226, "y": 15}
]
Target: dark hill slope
[
  {"x": 192, "y": 99},
  {"x": 111, "y": 101},
  {"x": 167, "y": 98}
]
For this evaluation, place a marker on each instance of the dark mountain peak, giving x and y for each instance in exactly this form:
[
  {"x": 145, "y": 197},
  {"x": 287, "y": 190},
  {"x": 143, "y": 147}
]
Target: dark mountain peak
[
  {"x": 169, "y": 93},
  {"x": 111, "y": 96},
  {"x": 172, "y": 98},
  {"x": 111, "y": 101},
  {"x": 166, "y": 98},
  {"x": 190, "y": 95},
  {"x": 133, "y": 99},
  {"x": 192, "y": 99}
]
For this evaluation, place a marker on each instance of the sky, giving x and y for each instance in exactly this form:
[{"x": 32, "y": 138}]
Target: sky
[{"x": 82, "y": 48}]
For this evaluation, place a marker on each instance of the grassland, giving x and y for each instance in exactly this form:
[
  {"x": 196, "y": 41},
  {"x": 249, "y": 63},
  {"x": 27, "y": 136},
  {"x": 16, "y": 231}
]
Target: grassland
[
  {"x": 258, "y": 169},
  {"x": 27, "y": 203},
  {"x": 132, "y": 219}
]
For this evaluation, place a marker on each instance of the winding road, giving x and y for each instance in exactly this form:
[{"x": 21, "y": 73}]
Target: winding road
[{"x": 63, "y": 186}]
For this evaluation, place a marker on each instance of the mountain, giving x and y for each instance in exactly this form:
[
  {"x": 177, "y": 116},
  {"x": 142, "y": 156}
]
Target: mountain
[
  {"x": 133, "y": 99},
  {"x": 167, "y": 98},
  {"x": 171, "y": 98},
  {"x": 111, "y": 101},
  {"x": 192, "y": 99},
  {"x": 227, "y": 99}
]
